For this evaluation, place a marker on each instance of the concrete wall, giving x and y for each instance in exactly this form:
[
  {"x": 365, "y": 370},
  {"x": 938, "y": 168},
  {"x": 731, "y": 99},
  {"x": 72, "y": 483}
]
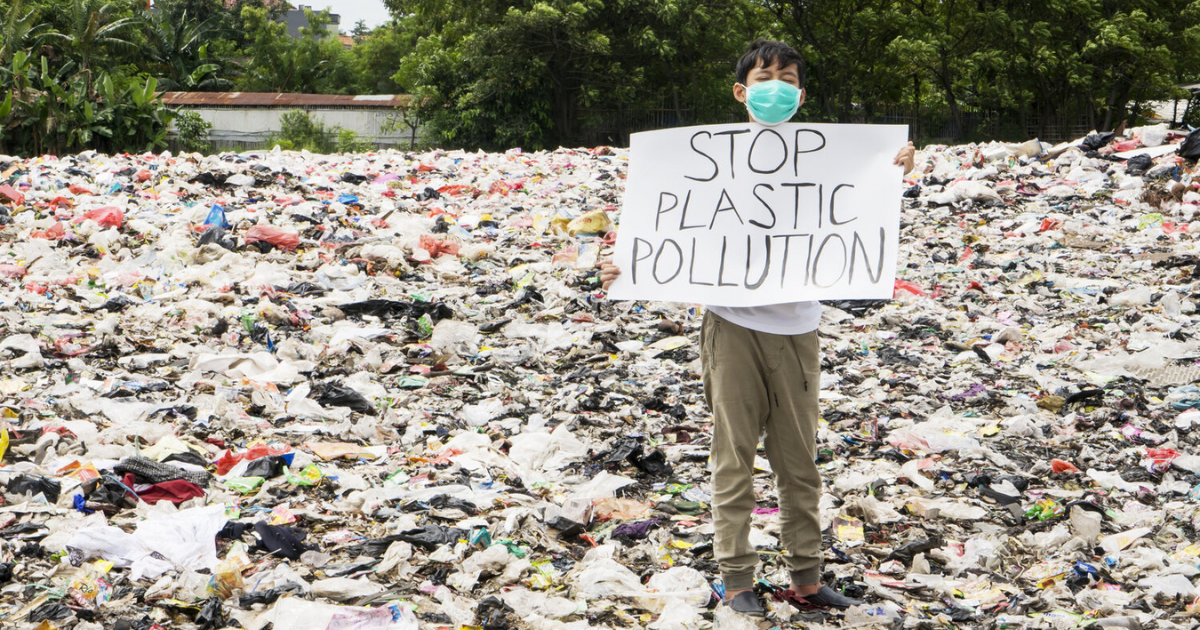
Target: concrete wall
[
  {"x": 250, "y": 127},
  {"x": 296, "y": 20}
]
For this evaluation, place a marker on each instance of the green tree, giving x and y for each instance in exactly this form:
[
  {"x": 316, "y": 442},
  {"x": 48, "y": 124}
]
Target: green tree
[
  {"x": 553, "y": 72},
  {"x": 313, "y": 63},
  {"x": 846, "y": 46},
  {"x": 94, "y": 30},
  {"x": 176, "y": 52},
  {"x": 376, "y": 57},
  {"x": 21, "y": 29},
  {"x": 1139, "y": 51}
]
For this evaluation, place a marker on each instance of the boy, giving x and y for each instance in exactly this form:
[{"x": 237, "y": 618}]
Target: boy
[{"x": 761, "y": 370}]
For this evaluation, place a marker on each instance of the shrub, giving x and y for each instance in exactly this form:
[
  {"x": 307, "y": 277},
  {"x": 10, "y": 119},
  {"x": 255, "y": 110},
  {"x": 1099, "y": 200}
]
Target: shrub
[
  {"x": 349, "y": 142},
  {"x": 193, "y": 132},
  {"x": 298, "y": 131}
]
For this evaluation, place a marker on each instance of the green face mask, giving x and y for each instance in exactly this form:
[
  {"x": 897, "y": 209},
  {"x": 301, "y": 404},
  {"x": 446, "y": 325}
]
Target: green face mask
[{"x": 772, "y": 102}]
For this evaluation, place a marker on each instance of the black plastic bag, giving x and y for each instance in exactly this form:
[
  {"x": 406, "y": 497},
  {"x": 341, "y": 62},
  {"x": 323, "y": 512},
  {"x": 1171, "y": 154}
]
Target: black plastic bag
[
  {"x": 116, "y": 304},
  {"x": 305, "y": 289},
  {"x": 654, "y": 463},
  {"x": 52, "y": 611},
  {"x": 396, "y": 308},
  {"x": 567, "y": 529},
  {"x": 494, "y": 614},
  {"x": 623, "y": 450},
  {"x": 212, "y": 616},
  {"x": 337, "y": 395},
  {"x": 445, "y": 501},
  {"x": 266, "y": 597},
  {"x": 376, "y": 547},
  {"x": 1139, "y": 164},
  {"x": 145, "y": 623},
  {"x": 266, "y": 467},
  {"x": 906, "y": 552},
  {"x": 1190, "y": 147},
  {"x": 25, "y": 484},
  {"x": 107, "y": 492},
  {"x": 1096, "y": 141},
  {"x": 186, "y": 457},
  {"x": 215, "y": 235},
  {"x": 431, "y": 537}
]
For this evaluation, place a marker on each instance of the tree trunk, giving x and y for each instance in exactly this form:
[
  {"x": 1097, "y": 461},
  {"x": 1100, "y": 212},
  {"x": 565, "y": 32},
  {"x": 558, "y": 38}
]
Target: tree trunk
[
  {"x": 1108, "y": 113},
  {"x": 951, "y": 99}
]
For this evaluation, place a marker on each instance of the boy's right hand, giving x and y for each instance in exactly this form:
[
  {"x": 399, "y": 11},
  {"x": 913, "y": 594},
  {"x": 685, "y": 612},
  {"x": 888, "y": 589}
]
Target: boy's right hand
[{"x": 608, "y": 272}]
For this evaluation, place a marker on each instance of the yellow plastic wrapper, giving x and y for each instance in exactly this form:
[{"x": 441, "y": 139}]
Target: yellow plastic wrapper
[{"x": 595, "y": 222}]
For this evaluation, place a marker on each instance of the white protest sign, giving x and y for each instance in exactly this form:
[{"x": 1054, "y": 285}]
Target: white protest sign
[{"x": 747, "y": 215}]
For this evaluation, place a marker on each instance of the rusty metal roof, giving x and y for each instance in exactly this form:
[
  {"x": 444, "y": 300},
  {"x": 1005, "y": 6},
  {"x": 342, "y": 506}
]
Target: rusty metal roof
[{"x": 277, "y": 99}]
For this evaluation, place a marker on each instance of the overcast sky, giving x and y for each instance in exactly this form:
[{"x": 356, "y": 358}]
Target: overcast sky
[{"x": 370, "y": 11}]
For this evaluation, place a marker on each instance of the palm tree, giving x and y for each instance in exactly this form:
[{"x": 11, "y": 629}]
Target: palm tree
[
  {"x": 20, "y": 32},
  {"x": 178, "y": 48},
  {"x": 94, "y": 28}
]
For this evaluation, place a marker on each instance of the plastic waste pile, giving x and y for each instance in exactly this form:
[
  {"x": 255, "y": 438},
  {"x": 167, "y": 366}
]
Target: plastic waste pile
[{"x": 375, "y": 391}]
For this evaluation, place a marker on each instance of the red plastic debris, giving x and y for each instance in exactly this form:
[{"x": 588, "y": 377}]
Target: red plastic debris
[
  {"x": 1050, "y": 224},
  {"x": 286, "y": 241},
  {"x": 231, "y": 459},
  {"x": 905, "y": 285},
  {"x": 10, "y": 194},
  {"x": 107, "y": 217},
  {"x": 1160, "y": 458},
  {"x": 54, "y": 233}
]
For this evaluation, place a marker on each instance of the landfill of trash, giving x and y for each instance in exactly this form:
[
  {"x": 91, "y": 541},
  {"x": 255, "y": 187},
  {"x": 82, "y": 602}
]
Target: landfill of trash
[{"x": 385, "y": 391}]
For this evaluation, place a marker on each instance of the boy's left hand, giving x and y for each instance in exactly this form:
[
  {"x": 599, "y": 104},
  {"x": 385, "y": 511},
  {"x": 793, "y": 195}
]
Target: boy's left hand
[{"x": 905, "y": 157}]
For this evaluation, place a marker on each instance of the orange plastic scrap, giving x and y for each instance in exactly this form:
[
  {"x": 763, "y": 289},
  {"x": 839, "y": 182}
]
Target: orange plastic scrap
[
  {"x": 458, "y": 189},
  {"x": 1060, "y": 466},
  {"x": 438, "y": 247},
  {"x": 445, "y": 456}
]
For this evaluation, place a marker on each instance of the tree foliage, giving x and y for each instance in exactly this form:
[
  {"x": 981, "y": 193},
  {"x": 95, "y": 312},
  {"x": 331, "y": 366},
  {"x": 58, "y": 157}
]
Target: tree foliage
[
  {"x": 545, "y": 73},
  {"x": 549, "y": 72},
  {"x": 313, "y": 63},
  {"x": 1049, "y": 61}
]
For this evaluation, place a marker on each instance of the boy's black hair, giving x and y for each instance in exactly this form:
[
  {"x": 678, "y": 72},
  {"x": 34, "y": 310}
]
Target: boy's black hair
[{"x": 765, "y": 52}]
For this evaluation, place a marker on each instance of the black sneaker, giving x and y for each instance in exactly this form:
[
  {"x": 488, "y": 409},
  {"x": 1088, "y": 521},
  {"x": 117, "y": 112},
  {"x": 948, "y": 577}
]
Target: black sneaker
[
  {"x": 747, "y": 603},
  {"x": 828, "y": 598}
]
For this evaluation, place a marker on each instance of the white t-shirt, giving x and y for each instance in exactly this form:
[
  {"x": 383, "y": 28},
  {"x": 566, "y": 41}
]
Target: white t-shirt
[{"x": 793, "y": 318}]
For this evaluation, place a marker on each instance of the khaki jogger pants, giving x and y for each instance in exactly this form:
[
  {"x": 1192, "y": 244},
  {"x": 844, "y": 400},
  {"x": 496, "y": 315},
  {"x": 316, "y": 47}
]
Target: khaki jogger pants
[{"x": 755, "y": 381}]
